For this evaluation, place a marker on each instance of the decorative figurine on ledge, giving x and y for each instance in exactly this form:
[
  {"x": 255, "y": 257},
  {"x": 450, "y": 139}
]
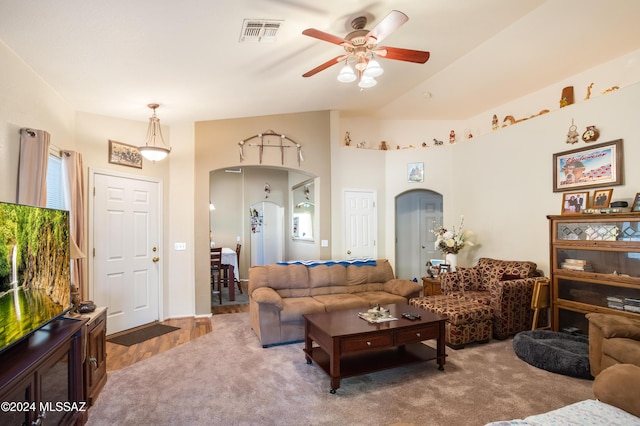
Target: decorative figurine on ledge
[{"x": 567, "y": 96}]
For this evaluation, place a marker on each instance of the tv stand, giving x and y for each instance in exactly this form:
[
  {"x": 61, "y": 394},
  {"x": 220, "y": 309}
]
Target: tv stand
[{"x": 41, "y": 378}]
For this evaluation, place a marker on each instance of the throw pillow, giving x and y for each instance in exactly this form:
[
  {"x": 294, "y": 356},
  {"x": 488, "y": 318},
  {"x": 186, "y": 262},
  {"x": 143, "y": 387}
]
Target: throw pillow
[
  {"x": 507, "y": 277},
  {"x": 469, "y": 279}
]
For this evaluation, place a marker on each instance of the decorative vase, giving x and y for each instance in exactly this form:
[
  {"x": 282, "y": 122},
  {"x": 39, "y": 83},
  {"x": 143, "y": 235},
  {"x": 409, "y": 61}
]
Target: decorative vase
[{"x": 451, "y": 259}]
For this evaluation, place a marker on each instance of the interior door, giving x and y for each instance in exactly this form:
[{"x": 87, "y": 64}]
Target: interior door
[
  {"x": 360, "y": 224},
  {"x": 267, "y": 233},
  {"x": 417, "y": 212},
  {"x": 127, "y": 253}
]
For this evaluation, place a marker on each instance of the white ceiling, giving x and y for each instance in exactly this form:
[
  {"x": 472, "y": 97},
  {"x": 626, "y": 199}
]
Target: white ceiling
[{"x": 114, "y": 57}]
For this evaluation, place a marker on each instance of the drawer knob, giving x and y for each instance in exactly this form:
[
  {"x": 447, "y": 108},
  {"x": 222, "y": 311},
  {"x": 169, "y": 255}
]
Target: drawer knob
[
  {"x": 368, "y": 343},
  {"x": 418, "y": 334}
]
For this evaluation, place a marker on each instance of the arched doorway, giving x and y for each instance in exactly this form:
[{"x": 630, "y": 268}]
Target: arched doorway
[{"x": 417, "y": 212}]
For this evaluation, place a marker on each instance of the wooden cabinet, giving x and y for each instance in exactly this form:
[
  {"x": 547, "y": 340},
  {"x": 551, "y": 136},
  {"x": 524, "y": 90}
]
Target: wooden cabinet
[
  {"x": 95, "y": 363},
  {"x": 431, "y": 286},
  {"x": 41, "y": 377},
  {"x": 595, "y": 267}
]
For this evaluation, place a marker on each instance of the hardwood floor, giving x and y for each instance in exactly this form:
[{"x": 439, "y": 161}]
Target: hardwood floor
[{"x": 119, "y": 356}]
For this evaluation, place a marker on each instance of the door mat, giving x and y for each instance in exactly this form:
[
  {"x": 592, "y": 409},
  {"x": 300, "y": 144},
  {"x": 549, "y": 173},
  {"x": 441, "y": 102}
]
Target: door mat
[{"x": 142, "y": 334}]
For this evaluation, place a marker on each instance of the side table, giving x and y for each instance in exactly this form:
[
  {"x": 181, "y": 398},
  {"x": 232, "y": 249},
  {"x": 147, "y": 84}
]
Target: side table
[{"x": 431, "y": 286}]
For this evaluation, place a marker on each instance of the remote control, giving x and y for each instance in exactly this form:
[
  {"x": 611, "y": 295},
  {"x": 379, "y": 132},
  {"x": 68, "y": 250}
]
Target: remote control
[{"x": 411, "y": 317}]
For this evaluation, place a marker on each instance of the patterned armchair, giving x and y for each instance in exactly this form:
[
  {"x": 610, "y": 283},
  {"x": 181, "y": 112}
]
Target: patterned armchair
[{"x": 505, "y": 285}]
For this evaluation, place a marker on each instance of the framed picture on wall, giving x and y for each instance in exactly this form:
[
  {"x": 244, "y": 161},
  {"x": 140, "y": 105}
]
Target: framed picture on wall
[
  {"x": 574, "y": 202},
  {"x": 636, "y": 203},
  {"x": 124, "y": 154},
  {"x": 444, "y": 268},
  {"x": 590, "y": 167},
  {"x": 415, "y": 172},
  {"x": 601, "y": 198}
]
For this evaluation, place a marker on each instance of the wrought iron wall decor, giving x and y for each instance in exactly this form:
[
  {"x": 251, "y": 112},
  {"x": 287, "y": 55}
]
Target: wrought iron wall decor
[{"x": 264, "y": 138}]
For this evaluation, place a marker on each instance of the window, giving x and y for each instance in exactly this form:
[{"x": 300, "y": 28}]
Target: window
[{"x": 55, "y": 190}]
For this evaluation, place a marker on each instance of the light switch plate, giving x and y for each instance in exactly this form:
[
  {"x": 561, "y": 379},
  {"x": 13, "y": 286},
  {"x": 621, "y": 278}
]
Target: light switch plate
[{"x": 180, "y": 246}]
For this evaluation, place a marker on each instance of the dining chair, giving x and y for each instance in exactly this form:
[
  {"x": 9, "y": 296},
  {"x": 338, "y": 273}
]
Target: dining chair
[
  {"x": 227, "y": 278},
  {"x": 216, "y": 272}
]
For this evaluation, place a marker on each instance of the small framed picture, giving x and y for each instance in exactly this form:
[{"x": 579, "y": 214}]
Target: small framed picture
[
  {"x": 574, "y": 202},
  {"x": 636, "y": 203},
  {"x": 124, "y": 154},
  {"x": 415, "y": 172},
  {"x": 601, "y": 198},
  {"x": 444, "y": 268}
]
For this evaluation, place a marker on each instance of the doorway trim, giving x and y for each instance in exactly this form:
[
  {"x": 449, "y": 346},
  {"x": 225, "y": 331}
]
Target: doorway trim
[{"x": 92, "y": 173}]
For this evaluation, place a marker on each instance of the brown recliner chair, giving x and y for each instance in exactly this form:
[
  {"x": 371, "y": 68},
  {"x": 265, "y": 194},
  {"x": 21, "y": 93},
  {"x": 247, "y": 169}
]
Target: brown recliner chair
[{"x": 613, "y": 339}]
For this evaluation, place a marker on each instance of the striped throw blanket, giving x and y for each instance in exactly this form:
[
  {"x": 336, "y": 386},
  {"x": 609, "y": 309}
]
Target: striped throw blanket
[{"x": 311, "y": 263}]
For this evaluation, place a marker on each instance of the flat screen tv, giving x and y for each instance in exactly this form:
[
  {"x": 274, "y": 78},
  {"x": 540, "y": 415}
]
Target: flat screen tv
[{"x": 35, "y": 269}]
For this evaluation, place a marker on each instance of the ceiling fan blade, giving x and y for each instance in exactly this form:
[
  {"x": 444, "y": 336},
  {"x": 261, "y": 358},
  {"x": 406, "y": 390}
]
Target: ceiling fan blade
[
  {"x": 408, "y": 55},
  {"x": 321, "y": 35},
  {"x": 324, "y": 66},
  {"x": 389, "y": 24}
]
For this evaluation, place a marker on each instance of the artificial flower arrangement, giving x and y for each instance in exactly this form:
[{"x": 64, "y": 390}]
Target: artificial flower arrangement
[{"x": 451, "y": 241}]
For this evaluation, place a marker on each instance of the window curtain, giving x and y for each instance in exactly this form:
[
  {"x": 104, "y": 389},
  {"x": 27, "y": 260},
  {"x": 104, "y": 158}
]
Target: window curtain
[
  {"x": 74, "y": 195},
  {"x": 32, "y": 168}
]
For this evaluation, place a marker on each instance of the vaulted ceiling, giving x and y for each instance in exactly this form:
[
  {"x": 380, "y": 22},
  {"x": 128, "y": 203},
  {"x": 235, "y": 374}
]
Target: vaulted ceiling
[{"x": 114, "y": 57}]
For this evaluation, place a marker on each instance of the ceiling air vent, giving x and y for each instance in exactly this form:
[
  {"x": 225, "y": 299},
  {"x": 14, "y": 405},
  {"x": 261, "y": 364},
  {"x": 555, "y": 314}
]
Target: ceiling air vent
[{"x": 258, "y": 30}]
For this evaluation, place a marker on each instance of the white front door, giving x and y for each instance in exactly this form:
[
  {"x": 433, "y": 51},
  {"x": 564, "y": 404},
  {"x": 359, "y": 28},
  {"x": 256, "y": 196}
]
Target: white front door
[
  {"x": 126, "y": 250},
  {"x": 360, "y": 224}
]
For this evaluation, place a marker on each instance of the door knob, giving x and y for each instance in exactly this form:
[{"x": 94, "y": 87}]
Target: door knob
[
  {"x": 155, "y": 259},
  {"x": 423, "y": 247},
  {"x": 348, "y": 251}
]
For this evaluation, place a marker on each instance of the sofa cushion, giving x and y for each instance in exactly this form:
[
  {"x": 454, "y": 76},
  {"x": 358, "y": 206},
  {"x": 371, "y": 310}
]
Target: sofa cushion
[
  {"x": 285, "y": 279},
  {"x": 372, "y": 298},
  {"x": 469, "y": 279},
  {"x": 615, "y": 326},
  {"x": 380, "y": 273},
  {"x": 402, "y": 287},
  {"x": 326, "y": 276},
  {"x": 619, "y": 385},
  {"x": 483, "y": 297},
  {"x": 493, "y": 270},
  {"x": 458, "y": 311},
  {"x": 295, "y": 307},
  {"x": 623, "y": 350},
  {"x": 337, "y": 302}
]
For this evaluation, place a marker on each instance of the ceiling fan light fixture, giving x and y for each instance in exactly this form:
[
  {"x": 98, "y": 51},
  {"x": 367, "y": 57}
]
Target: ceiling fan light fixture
[
  {"x": 373, "y": 69},
  {"x": 346, "y": 74},
  {"x": 154, "y": 148},
  {"x": 367, "y": 82}
]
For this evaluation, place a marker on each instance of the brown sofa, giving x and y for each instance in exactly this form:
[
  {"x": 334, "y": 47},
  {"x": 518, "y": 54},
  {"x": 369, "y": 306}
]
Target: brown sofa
[
  {"x": 280, "y": 294},
  {"x": 613, "y": 339},
  {"x": 491, "y": 299}
]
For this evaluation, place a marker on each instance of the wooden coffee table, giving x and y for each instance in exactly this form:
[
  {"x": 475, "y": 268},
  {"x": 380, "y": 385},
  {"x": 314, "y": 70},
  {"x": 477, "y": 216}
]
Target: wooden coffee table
[{"x": 346, "y": 345}]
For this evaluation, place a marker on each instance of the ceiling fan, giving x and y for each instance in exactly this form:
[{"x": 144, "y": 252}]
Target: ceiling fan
[{"x": 361, "y": 47}]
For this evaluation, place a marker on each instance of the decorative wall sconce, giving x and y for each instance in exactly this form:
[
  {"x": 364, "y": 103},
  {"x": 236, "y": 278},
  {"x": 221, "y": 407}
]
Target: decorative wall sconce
[{"x": 264, "y": 143}]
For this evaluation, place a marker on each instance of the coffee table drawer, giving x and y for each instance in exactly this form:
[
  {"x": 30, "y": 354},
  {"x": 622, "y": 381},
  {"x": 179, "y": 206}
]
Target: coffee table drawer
[
  {"x": 427, "y": 332},
  {"x": 362, "y": 343}
]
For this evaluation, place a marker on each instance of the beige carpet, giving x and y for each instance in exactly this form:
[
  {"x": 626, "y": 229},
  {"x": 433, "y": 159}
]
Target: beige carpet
[{"x": 227, "y": 378}]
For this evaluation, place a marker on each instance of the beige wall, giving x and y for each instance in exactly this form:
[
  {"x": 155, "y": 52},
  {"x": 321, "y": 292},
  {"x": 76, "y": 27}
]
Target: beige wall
[
  {"x": 216, "y": 147},
  {"x": 27, "y": 101},
  {"x": 500, "y": 181}
]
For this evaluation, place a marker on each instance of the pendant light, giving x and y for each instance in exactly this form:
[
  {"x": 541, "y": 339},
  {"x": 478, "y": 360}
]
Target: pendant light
[{"x": 154, "y": 149}]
